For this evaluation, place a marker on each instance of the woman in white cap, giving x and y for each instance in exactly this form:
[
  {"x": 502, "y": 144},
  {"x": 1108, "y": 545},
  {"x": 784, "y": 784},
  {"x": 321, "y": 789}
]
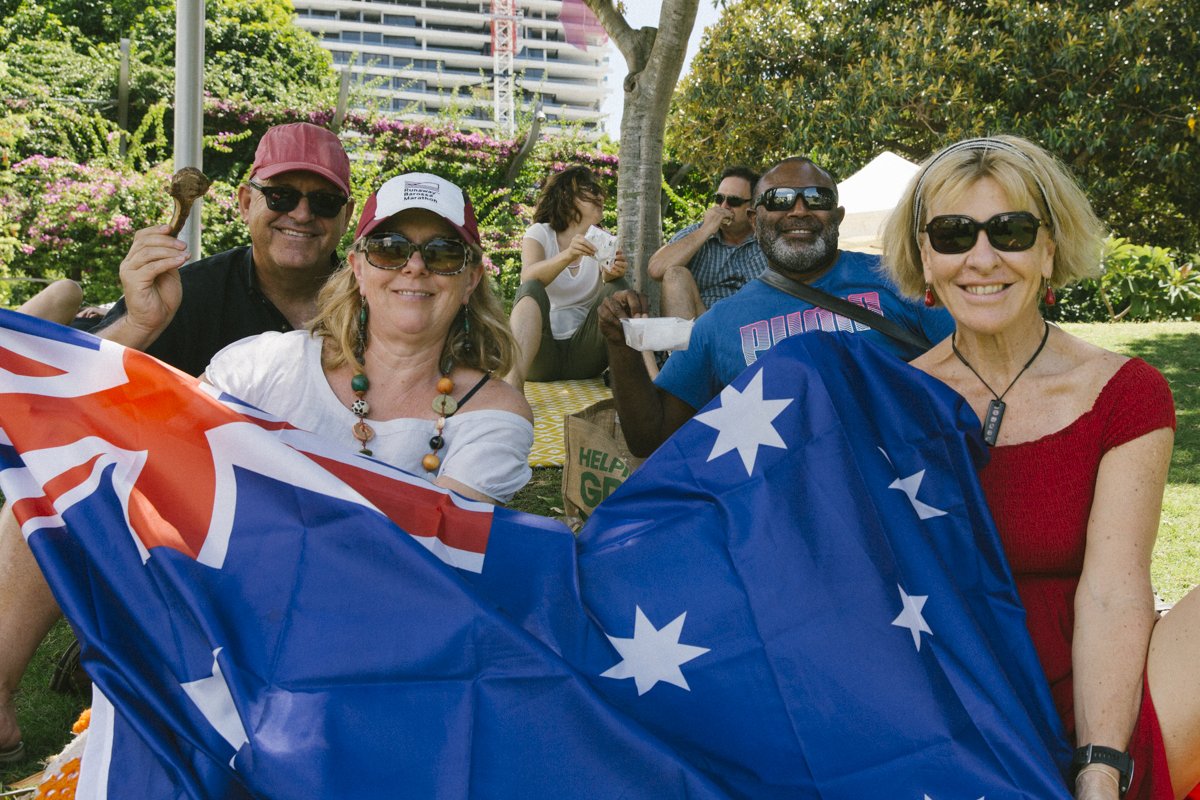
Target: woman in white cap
[{"x": 397, "y": 362}]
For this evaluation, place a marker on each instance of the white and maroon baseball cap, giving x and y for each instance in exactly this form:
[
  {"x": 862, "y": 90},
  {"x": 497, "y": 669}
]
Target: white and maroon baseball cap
[{"x": 420, "y": 190}]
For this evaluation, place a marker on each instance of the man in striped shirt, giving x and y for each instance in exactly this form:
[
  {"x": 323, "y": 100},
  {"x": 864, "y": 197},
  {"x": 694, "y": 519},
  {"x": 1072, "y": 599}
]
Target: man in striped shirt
[{"x": 711, "y": 259}]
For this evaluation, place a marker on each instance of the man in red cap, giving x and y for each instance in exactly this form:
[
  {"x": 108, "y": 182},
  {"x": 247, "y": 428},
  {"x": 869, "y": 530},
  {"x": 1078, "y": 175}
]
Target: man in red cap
[{"x": 296, "y": 204}]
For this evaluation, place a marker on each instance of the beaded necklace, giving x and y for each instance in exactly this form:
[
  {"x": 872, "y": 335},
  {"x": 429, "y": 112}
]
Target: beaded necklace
[{"x": 444, "y": 405}]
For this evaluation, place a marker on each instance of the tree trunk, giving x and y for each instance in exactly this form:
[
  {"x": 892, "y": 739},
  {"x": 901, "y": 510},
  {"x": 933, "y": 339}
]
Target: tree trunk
[{"x": 655, "y": 58}]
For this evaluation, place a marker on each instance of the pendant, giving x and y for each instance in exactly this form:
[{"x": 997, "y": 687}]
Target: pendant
[{"x": 992, "y": 420}]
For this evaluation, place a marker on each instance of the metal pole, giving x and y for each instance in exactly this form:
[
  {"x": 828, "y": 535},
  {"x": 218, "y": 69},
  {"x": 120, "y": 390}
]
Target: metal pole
[
  {"x": 189, "y": 111},
  {"x": 123, "y": 96}
]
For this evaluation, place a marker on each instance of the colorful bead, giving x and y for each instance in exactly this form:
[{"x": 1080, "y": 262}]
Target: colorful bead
[
  {"x": 360, "y": 408},
  {"x": 436, "y": 443},
  {"x": 445, "y": 405},
  {"x": 445, "y": 385},
  {"x": 431, "y": 462},
  {"x": 359, "y": 383}
]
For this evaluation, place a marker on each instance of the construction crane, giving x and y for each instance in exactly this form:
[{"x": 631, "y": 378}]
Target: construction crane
[{"x": 505, "y": 31}]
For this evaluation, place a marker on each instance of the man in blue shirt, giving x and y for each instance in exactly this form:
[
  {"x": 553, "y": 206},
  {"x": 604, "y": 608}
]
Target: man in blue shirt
[
  {"x": 711, "y": 259},
  {"x": 796, "y": 218}
]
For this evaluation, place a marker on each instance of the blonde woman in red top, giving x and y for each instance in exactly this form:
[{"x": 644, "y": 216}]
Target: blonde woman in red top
[{"x": 1080, "y": 441}]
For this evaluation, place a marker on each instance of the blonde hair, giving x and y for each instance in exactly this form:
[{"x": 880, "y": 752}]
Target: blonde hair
[
  {"x": 1028, "y": 175},
  {"x": 488, "y": 346}
]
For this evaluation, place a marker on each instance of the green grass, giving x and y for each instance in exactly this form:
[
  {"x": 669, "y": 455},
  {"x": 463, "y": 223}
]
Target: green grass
[{"x": 1172, "y": 347}]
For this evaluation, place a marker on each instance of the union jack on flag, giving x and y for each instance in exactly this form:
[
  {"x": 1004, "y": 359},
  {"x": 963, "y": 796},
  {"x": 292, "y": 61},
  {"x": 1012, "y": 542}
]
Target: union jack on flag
[{"x": 800, "y": 595}]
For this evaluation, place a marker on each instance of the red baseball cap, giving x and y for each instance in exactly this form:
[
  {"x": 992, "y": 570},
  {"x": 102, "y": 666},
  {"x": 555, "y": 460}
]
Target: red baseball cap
[
  {"x": 302, "y": 147},
  {"x": 420, "y": 190}
]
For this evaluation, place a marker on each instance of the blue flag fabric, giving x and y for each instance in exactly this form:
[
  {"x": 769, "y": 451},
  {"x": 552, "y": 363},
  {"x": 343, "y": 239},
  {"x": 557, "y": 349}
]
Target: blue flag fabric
[{"x": 800, "y": 595}]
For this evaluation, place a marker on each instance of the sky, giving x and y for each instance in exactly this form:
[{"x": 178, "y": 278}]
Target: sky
[{"x": 641, "y": 13}]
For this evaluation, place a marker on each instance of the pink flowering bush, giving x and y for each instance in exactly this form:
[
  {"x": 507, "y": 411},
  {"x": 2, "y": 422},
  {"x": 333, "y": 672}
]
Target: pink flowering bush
[
  {"x": 70, "y": 219},
  {"x": 59, "y": 218}
]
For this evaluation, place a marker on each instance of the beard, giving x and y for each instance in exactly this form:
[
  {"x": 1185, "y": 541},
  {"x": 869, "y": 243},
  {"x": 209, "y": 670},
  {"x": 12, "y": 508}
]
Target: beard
[{"x": 797, "y": 259}]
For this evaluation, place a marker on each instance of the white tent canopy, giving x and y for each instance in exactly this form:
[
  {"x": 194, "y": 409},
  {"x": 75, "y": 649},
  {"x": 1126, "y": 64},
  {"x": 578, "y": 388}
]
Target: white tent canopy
[{"x": 868, "y": 196}]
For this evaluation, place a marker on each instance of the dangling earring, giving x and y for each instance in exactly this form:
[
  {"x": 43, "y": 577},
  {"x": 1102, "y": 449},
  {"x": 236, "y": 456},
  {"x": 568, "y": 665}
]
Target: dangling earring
[
  {"x": 930, "y": 300},
  {"x": 1050, "y": 298},
  {"x": 360, "y": 343}
]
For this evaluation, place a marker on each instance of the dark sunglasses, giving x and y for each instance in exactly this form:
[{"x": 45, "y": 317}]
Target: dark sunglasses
[
  {"x": 282, "y": 199},
  {"x": 392, "y": 251},
  {"x": 1011, "y": 232},
  {"x": 783, "y": 198},
  {"x": 734, "y": 202}
]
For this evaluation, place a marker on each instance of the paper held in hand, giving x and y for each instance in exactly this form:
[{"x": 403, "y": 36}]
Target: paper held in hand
[
  {"x": 657, "y": 333},
  {"x": 606, "y": 247}
]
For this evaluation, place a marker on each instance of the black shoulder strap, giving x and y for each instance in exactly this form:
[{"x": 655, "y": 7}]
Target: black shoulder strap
[
  {"x": 837, "y": 305},
  {"x": 474, "y": 389}
]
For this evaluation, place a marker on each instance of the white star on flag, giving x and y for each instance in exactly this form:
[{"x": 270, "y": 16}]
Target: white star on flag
[
  {"x": 910, "y": 486},
  {"x": 743, "y": 422},
  {"x": 653, "y": 655},
  {"x": 212, "y": 697},
  {"x": 911, "y": 617}
]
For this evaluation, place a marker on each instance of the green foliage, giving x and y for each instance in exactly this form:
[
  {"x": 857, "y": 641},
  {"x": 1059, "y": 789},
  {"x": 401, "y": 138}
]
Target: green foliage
[
  {"x": 1140, "y": 283},
  {"x": 1110, "y": 88},
  {"x": 59, "y": 64}
]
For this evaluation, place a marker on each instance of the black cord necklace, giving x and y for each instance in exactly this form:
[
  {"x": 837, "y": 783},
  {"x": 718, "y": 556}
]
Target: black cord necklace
[{"x": 995, "y": 409}]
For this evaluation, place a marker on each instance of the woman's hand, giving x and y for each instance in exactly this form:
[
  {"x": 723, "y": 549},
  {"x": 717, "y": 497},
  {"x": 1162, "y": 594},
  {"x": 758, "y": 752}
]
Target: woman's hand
[
  {"x": 578, "y": 248},
  {"x": 1097, "y": 782},
  {"x": 618, "y": 268}
]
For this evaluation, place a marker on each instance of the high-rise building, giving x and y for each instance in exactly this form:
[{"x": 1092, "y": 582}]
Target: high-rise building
[{"x": 425, "y": 58}]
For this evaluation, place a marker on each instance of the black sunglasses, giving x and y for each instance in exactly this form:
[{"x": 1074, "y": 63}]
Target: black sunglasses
[
  {"x": 392, "y": 251},
  {"x": 282, "y": 199},
  {"x": 734, "y": 202},
  {"x": 783, "y": 198},
  {"x": 1012, "y": 232}
]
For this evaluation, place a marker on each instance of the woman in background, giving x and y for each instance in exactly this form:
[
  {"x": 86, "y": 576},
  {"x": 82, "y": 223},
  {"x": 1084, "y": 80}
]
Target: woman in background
[{"x": 554, "y": 316}]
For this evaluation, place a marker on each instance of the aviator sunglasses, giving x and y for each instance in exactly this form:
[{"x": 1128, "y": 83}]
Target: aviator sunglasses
[
  {"x": 392, "y": 251},
  {"x": 732, "y": 200},
  {"x": 1011, "y": 232},
  {"x": 282, "y": 199},
  {"x": 783, "y": 198}
]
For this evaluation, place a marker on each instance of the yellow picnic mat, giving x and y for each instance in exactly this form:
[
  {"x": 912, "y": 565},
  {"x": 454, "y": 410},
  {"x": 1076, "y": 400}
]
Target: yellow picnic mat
[{"x": 550, "y": 401}]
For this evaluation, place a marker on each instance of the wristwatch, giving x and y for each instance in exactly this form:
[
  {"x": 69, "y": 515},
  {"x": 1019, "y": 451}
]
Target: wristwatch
[{"x": 1098, "y": 754}]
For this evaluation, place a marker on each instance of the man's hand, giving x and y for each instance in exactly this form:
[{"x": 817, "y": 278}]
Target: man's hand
[
  {"x": 150, "y": 279},
  {"x": 714, "y": 219},
  {"x": 625, "y": 304}
]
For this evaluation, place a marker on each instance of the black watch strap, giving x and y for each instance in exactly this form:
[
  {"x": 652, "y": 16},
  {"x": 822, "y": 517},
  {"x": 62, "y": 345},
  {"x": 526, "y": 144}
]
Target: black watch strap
[{"x": 1098, "y": 754}]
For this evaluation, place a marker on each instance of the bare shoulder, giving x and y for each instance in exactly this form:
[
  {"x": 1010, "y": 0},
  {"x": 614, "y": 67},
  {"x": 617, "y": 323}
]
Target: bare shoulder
[
  {"x": 496, "y": 395},
  {"x": 1087, "y": 367}
]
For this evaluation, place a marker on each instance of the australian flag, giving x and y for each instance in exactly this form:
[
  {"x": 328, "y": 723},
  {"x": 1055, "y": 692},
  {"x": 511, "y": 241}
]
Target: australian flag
[{"x": 800, "y": 595}]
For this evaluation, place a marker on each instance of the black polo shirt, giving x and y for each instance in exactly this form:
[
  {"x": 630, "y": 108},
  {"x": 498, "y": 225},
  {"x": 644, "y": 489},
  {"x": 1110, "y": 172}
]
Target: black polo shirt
[{"x": 221, "y": 304}]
